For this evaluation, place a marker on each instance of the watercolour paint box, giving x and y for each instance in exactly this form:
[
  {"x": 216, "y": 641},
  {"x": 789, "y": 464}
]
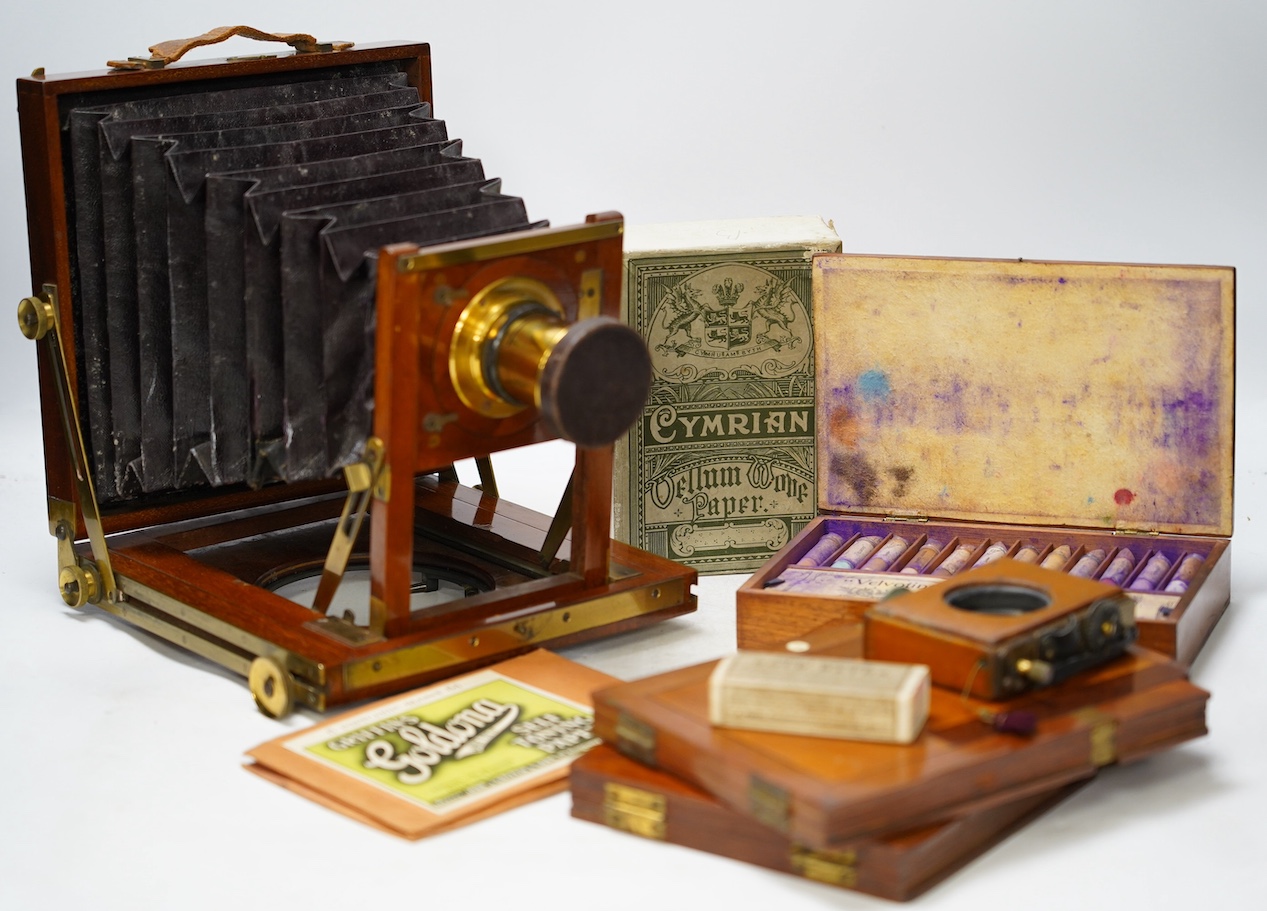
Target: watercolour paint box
[
  {"x": 719, "y": 471},
  {"x": 1074, "y": 415}
]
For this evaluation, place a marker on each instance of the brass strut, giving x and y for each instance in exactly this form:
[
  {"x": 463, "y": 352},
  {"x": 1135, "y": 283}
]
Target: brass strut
[
  {"x": 364, "y": 480},
  {"x": 39, "y": 321}
]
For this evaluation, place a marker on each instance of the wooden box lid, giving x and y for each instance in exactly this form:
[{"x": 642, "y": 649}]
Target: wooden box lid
[
  {"x": 1037, "y": 393},
  {"x": 826, "y": 793}
]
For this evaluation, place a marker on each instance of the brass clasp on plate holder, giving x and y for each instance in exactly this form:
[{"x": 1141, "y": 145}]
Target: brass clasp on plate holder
[
  {"x": 1103, "y": 736},
  {"x": 634, "y": 810},
  {"x": 769, "y": 803},
  {"x": 836, "y": 868},
  {"x": 636, "y": 739}
]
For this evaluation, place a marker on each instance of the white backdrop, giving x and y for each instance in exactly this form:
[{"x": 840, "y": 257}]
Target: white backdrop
[{"x": 1127, "y": 131}]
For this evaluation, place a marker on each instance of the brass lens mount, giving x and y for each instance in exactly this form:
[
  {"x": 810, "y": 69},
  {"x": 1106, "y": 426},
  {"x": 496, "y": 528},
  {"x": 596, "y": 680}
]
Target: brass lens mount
[
  {"x": 500, "y": 344},
  {"x": 512, "y": 349}
]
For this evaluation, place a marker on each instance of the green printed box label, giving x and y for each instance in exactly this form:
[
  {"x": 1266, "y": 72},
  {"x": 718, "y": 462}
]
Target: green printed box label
[{"x": 720, "y": 471}]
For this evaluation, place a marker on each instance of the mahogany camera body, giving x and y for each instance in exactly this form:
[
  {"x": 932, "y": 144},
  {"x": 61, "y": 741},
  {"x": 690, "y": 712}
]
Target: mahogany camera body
[{"x": 444, "y": 326}]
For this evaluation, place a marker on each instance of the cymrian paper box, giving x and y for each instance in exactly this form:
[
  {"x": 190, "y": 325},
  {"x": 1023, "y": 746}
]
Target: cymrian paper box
[{"x": 719, "y": 473}]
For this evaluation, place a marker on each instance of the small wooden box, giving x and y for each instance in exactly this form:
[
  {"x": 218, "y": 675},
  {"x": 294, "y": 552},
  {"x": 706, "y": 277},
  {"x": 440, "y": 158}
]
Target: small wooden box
[
  {"x": 1081, "y": 410},
  {"x": 1002, "y": 629},
  {"x": 612, "y": 790},
  {"x": 828, "y": 794}
]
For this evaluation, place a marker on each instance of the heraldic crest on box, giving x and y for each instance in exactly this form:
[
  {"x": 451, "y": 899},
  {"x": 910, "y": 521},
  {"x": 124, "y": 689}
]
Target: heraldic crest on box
[{"x": 275, "y": 303}]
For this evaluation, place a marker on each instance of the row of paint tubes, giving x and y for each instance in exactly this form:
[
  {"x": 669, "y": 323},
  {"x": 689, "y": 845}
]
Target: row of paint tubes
[{"x": 873, "y": 553}]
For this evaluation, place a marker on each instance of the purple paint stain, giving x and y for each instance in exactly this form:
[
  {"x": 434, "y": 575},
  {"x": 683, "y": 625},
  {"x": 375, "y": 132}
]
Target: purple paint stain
[
  {"x": 843, "y": 398},
  {"x": 951, "y": 413},
  {"x": 1190, "y": 423},
  {"x": 1061, "y": 280},
  {"x": 1195, "y": 400}
]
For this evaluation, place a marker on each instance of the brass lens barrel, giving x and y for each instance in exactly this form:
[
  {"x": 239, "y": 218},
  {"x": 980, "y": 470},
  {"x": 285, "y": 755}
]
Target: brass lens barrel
[
  {"x": 513, "y": 349},
  {"x": 525, "y": 346}
]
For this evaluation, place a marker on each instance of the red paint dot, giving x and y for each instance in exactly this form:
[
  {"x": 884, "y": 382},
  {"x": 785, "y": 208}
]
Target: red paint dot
[{"x": 1123, "y": 497}]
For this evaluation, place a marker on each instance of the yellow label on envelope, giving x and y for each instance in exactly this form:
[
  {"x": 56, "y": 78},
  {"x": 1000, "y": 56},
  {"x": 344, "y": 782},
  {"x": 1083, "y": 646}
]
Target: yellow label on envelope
[{"x": 452, "y": 744}]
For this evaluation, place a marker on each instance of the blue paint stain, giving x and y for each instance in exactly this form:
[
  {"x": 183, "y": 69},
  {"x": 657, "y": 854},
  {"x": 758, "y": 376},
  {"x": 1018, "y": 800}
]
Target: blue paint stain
[{"x": 874, "y": 384}]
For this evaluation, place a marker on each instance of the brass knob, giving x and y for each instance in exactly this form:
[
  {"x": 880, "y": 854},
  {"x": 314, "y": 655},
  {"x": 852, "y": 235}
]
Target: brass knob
[
  {"x": 270, "y": 685},
  {"x": 35, "y": 317},
  {"x": 1038, "y": 672},
  {"x": 1103, "y": 624},
  {"x": 79, "y": 586}
]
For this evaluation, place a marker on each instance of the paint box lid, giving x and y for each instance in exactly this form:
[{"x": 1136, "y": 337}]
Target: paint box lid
[{"x": 1040, "y": 393}]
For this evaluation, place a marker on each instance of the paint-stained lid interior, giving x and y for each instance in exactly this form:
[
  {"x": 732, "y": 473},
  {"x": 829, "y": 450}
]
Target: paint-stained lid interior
[{"x": 1089, "y": 395}]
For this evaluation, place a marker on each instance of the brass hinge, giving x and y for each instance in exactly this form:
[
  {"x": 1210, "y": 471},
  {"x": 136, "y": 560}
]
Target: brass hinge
[
  {"x": 769, "y": 803},
  {"x": 636, "y": 739},
  {"x": 634, "y": 810},
  {"x": 1138, "y": 532},
  {"x": 836, "y": 868},
  {"x": 911, "y": 519},
  {"x": 1103, "y": 736}
]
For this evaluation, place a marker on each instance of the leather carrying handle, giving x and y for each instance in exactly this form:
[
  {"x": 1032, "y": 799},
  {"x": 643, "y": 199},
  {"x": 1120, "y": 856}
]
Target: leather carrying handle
[{"x": 166, "y": 52}]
